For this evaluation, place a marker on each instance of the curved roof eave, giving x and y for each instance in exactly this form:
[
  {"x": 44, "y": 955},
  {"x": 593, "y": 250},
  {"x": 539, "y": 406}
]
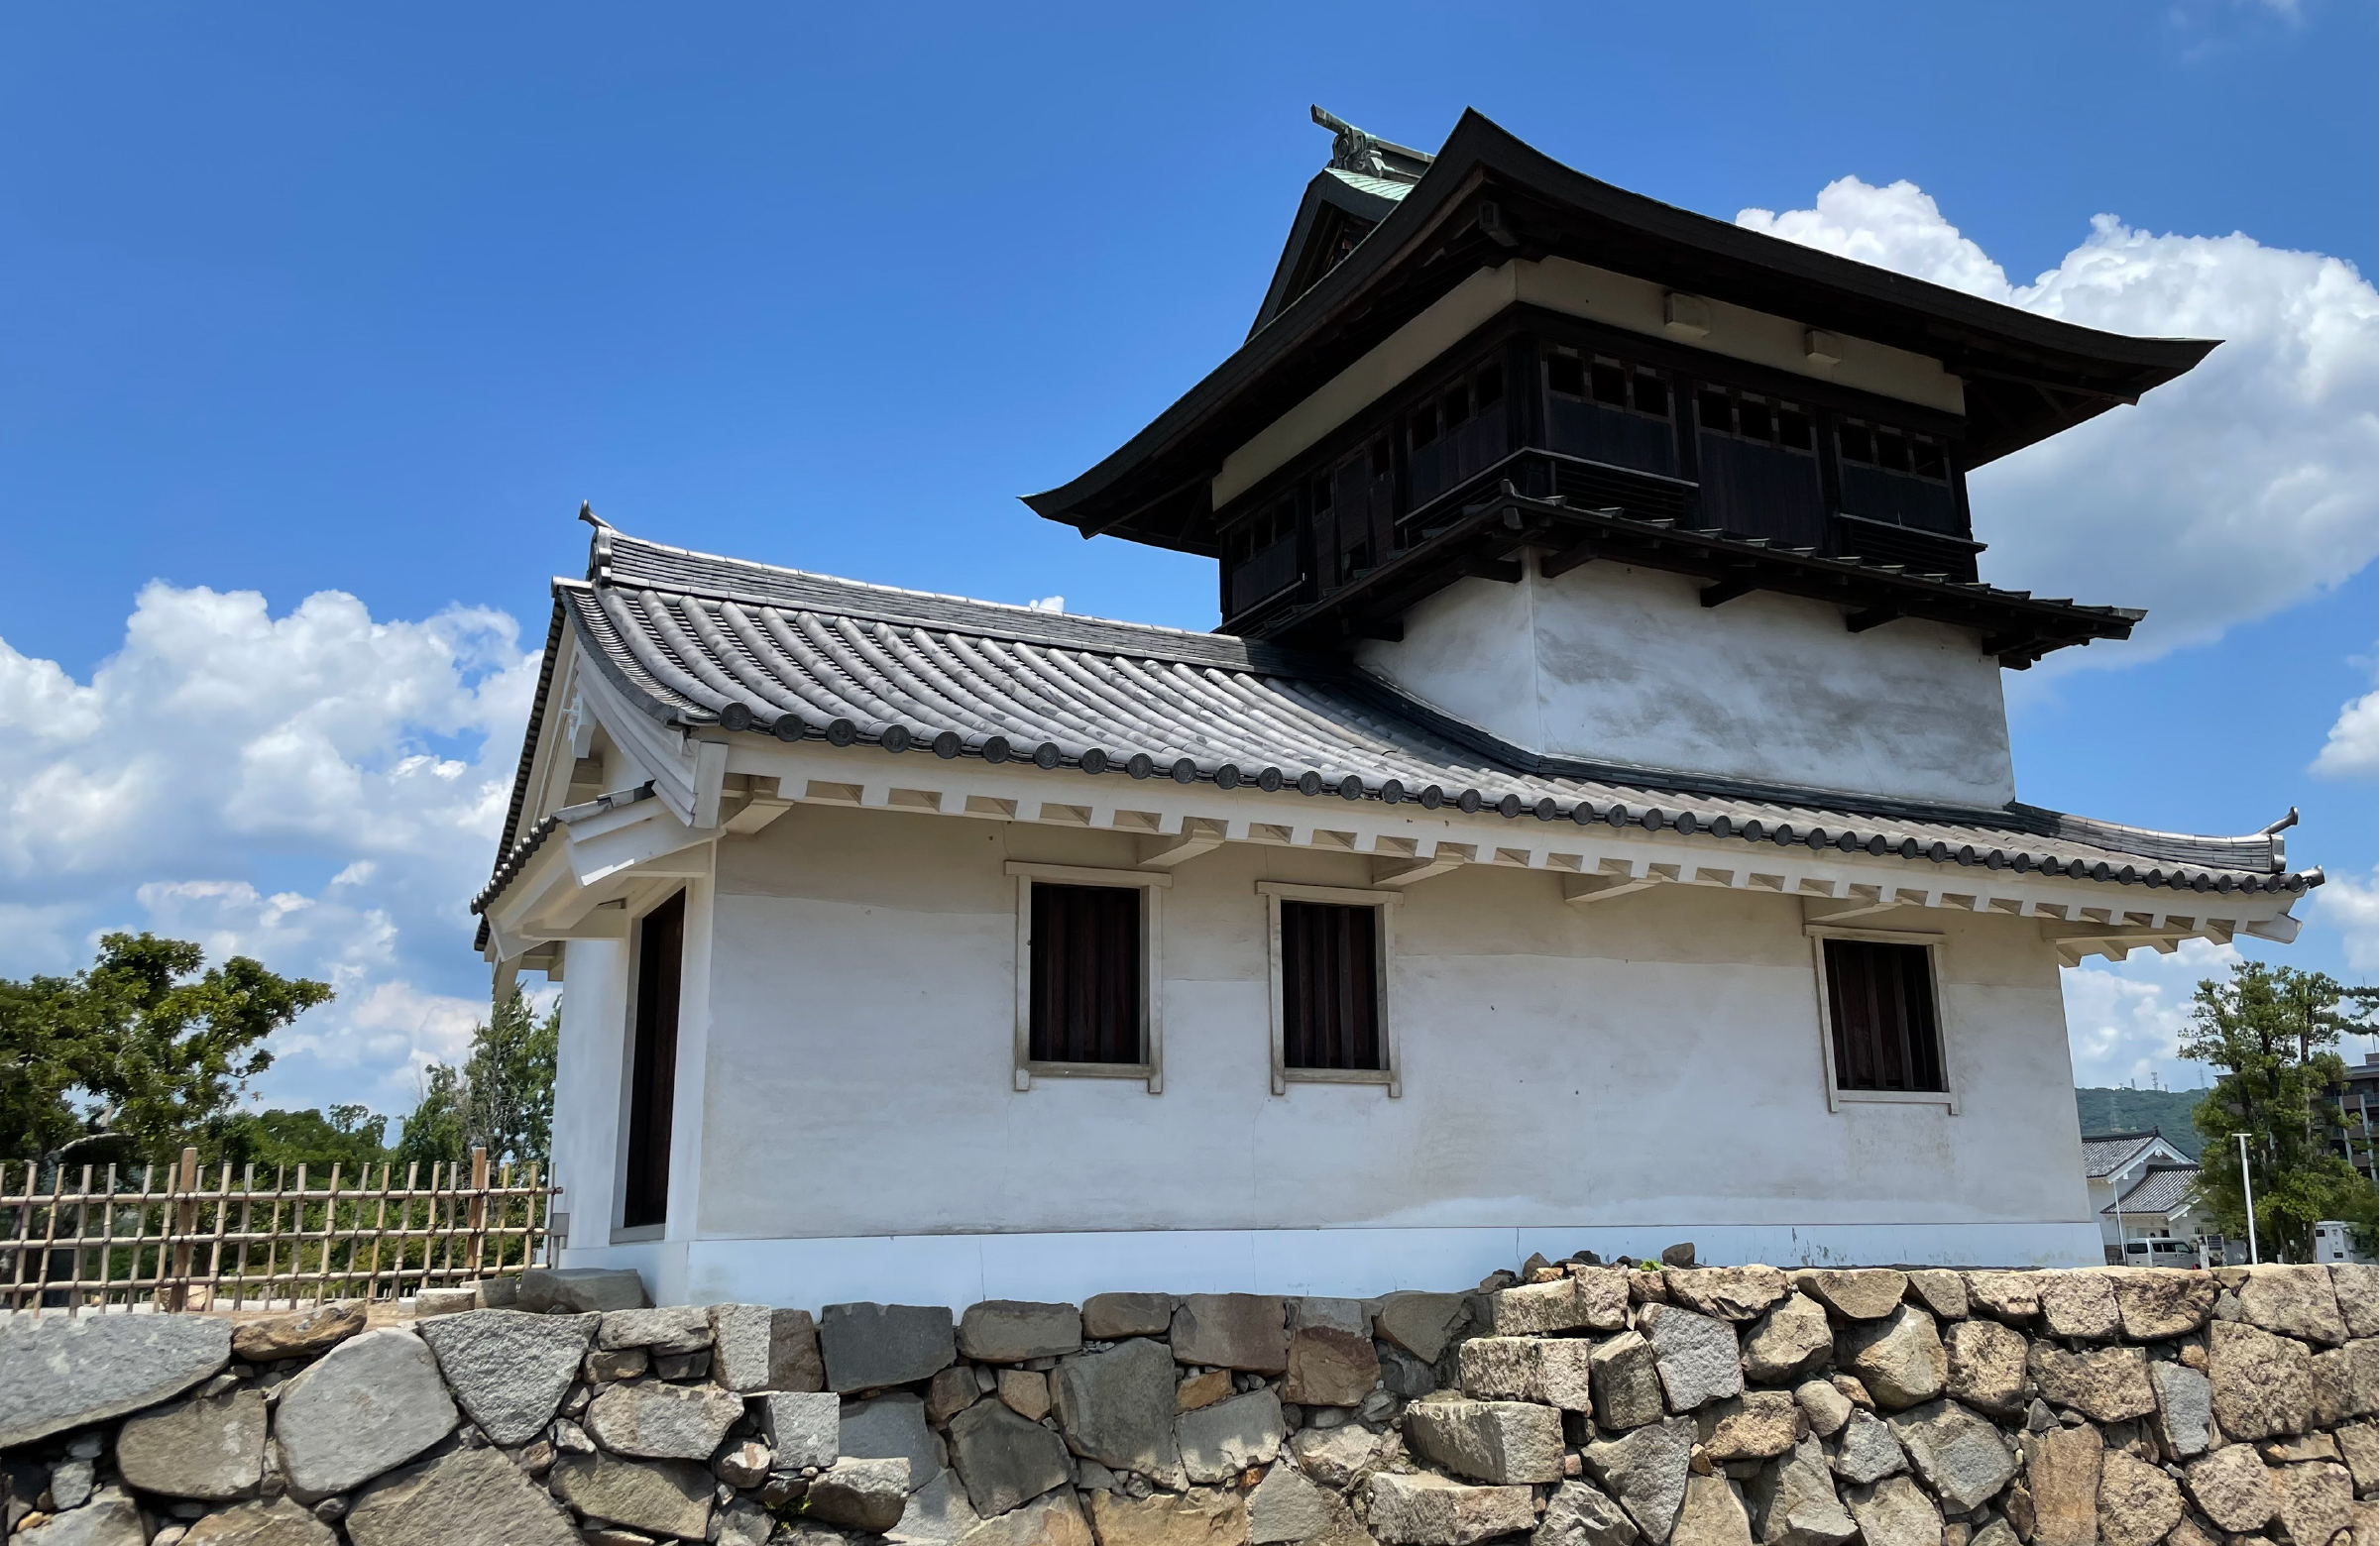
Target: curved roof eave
[{"x": 1479, "y": 149}]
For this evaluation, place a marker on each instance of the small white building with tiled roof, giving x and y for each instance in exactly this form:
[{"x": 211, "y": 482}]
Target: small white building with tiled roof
[
  {"x": 2143, "y": 1189},
  {"x": 1590, "y": 827}
]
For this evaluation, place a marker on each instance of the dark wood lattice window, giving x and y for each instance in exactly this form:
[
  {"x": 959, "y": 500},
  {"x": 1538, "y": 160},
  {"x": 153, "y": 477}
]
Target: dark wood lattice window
[
  {"x": 1880, "y": 998},
  {"x": 1330, "y": 987},
  {"x": 653, "y": 1061},
  {"x": 1087, "y": 975}
]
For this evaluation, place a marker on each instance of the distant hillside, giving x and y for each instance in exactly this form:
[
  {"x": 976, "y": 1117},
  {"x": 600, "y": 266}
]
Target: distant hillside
[{"x": 2135, "y": 1111}]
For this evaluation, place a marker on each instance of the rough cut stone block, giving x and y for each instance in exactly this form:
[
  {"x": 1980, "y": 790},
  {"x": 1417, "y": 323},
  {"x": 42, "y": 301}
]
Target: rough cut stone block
[
  {"x": 2295, "y": 1301},
  {"x": 867, "y": 1347},
  {"x": 469, "y": 1498},
  {"x": 2138, "y": 1504},
  {"x": 1714, "y": 1514},
  {"x": 1895, "y": 1513},
  {"x": 2356, "y": 1285},
  {"x": 429, "y": 1303},
  {"x": 509, "y": 1371},
  {"x": 2345, "y": 1382},
  {"x": 1219, "y": 1442},
  {"x": 1536, "y": 1307},
  {"x": 1856, "y": 1293},
  {"x": 1827, "y": 1408},
  {"x": 1958, "y": 1454},
  {"x": 1025, "y": 1392},
  {"x": 1203, "y": 1516},
  {"x": 1696, "y": 1355},
  {"x": 935, "y": 1515},
  {"x": 1940, "y": 1290},
  {"x": 1054, "y": 1521},
  {"x": 1627, "y": 1376},
  {"x": 1334, "y": 1457},
  {"x": 2318, "y": 1501},
  {"x": 2184, "y": 1410},
  {"x": 1864, "y": 1450},
  {"x": 1602, "y": 1295},
  {"x": 1003, "y": 1460},
  {"x": 108, "y": 1520},
  {"x": 803, "y": 1427},
  {"x": 271, "y": 1522},
  {"x": 2062, "y": 1473},
  {"x": 2263, "y": 1383},
  {"x": 1010, "y": 1331},
  {"x": 1583, "y": 1515},
  {"x": 1646, "y": 1471},
  {"x": 271, "y": 1338},
  {"x": 544, "y": 1290},
  {"x": 58, "y": 1372},
  {"x": 1285, "y": 1507},
  {"x": 2157, "y": 1304},
  {"x": 1421, "y": 1323},
  {"x": 2360, "y": 1447},
  {"x": 655, "y": 1421},
  {"x": 1244, "y": 1331},
  {"x": 1329, "y": 1368},
  {"x": 860, "y": 1495},
  {"x": 1791, "y": 1339},
  {"x": 1112, "y": 1317},
  {"x": 1793, "y": 1502},
  {"x": 759, "y": 1347},
  {"x": 663, "y": 1498},
  {"x": 372, "y": 1403},
  {"x": 1987, "y": 1367},
  {"x": 1428, "y": 1511},
  {"x": 2006, "y": 1296},
  {"x": 1729, "y": 1294},
  {"x": 668, "y": 1330},
  {"x": 2108, "y": 1385},
  {"x": 1500, "y": 1442},
  {"x": 1900, "y": 1358},
  {"x": 209, "y": 1447},
  {"x": 1117, "y": 1408},
  {"x": 1555, "y": 1372},
  {"x": 1348, "y": 1315},
  {"x": 2233, "y": 1488},
  {"x": 893, "y": 1427},
  {"x": 1204, "y": 1389},
  {"x": 1757, "y": 1425},
  {"x": 2078, "y": 1304}
]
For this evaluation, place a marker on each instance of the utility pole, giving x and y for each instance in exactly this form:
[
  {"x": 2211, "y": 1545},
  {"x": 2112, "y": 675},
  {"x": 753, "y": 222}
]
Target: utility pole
[{"x": 2247, "y": 1192}]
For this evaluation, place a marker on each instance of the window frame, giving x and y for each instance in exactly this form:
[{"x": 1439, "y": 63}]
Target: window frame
[
  {"x": 1153, "y": 885},
  {"x": 1383, "y": 903},
  {"x": 1836, "y": 1096}
]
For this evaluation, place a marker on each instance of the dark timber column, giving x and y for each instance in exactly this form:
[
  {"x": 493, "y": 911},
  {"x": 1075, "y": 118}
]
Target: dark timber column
[{"x": 653, "y": 1064}]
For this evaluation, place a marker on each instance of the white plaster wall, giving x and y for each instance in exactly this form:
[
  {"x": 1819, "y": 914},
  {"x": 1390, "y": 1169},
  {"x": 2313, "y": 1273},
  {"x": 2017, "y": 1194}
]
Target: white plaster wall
[
  {"x": 1649, "y": 1069},
  {"x": 1625, "y": 665},
  {"x": 587, "y": 1085}
]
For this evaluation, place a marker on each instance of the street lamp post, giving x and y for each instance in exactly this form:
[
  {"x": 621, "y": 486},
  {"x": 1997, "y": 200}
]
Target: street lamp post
[{"x": 2247, "y": 1192}]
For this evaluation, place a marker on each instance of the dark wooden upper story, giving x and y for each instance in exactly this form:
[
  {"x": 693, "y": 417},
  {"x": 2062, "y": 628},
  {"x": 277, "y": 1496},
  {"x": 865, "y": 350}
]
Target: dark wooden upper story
[{"x": 1543, "y": 429}]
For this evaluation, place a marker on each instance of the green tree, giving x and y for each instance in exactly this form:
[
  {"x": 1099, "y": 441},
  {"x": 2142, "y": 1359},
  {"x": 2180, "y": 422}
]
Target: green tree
[
  {"x": 500, "y": 1098},
  {"x": 148, "y": 1043},
  {"x": 349, "y": 1136},
  {"x": 2270, "y": 1030}
]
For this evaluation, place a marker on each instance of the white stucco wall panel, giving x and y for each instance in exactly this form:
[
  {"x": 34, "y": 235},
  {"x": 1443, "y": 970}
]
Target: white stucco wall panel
[
  {"x": 1623, "y": 665},
  {"x": 1651, "y": 1063}
]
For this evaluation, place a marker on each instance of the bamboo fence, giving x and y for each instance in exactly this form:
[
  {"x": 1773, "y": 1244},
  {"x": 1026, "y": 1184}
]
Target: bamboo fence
[{"x": 194, "y": 1239}]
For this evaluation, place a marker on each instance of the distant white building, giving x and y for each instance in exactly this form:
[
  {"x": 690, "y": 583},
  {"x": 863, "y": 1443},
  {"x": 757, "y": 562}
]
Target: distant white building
[{"x": 1591, "y": 826}]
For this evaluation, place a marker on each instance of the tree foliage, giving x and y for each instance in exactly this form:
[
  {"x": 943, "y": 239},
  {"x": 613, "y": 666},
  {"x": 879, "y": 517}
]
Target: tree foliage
[
  {"x": 500, "y": 1098},
  {"x": 148, "y": 1043},
  {"x": 2271, "y": 1030}
]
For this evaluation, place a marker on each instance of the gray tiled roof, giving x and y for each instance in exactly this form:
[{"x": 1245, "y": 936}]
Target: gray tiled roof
[
  {"x": 704, "y": 640},
  {"x": 2163, "y": 1189},
  {"x": 2104, "y": 1153}
]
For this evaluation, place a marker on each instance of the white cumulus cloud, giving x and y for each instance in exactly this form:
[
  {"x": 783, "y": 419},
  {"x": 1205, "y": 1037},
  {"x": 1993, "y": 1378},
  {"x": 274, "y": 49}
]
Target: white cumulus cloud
[
  {"x": 2353, "y": 750},
  {"x": 2353, "y": 907},
  {"x": 2124, "y": 1020},
  {"x": 2241, "y": 488},
  {"x": 319, "y": 790}
]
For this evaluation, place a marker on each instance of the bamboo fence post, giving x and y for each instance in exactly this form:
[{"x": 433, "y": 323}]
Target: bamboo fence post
[
  {"x": 475, "y": 1251},
  {"x": 185, "y": 1224}
]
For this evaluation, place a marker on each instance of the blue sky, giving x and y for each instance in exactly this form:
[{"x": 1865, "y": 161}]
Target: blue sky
[{"x": 297, "y": 300}]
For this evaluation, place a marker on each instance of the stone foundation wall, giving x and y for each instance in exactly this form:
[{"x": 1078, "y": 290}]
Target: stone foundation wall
[{"x": 1589, "y": 1406}]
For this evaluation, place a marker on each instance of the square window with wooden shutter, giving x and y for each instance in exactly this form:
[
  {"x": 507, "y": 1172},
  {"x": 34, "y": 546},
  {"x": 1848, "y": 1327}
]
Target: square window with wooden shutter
[
  {"x": 1085, "y": 989},
  {"x": 1880, "y": 1005},
  {"x": 1330, "y": 987}
]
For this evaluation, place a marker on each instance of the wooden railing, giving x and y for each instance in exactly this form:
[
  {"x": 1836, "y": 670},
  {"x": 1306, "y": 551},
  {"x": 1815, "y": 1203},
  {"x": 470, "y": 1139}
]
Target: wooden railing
[{"x": 197, "y": 1238}]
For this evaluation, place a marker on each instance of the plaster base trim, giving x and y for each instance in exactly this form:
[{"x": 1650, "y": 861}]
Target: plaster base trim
[{"x": 961, "y": 1270}]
